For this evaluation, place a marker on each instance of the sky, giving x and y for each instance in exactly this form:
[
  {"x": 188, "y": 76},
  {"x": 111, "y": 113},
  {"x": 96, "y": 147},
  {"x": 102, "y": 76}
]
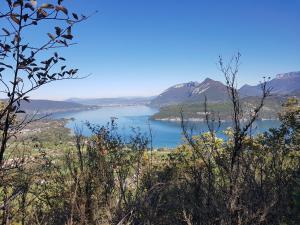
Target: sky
[{"x": 141, "y": 47}]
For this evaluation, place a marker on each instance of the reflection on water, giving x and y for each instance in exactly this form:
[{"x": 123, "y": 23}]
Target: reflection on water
[{"x": 165, "y": 134}]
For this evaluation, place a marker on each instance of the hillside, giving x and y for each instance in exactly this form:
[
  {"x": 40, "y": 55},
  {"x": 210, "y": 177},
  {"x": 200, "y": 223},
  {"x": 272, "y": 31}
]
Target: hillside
[
  {"x": 48, "y": 106},
  {"x": 282, "y": 84},
  {"x": 192, "y": 92},
  {"x": 195, "y": 111}
]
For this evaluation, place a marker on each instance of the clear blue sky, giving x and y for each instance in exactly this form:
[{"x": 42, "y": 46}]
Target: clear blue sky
[{"x": 141, "y": 47}]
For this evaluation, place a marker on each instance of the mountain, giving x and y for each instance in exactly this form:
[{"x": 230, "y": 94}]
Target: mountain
[
  {"x": 48, "y": 106},
  {"x": 112, "y": 101},
  {"x": 248, "y": 90},
  {"x": 286, "y": 84},
  {"x": 282, "y": 84},
  {"x": 215, "y": 91}
]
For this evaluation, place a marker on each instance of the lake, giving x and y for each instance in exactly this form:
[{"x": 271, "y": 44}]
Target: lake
[{"x": 165, "y": 133}]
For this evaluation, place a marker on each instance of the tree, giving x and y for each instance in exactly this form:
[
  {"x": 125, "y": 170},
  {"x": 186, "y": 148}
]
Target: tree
[
  {"x": 244, "y": 179},
  {"x": 25, "y": 65}
]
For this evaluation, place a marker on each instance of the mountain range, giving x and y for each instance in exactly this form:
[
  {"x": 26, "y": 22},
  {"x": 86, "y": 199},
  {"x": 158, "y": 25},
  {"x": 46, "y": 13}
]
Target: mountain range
[
  {"x": 215, "y": 91},
  {"x": 283, "y": 85}
]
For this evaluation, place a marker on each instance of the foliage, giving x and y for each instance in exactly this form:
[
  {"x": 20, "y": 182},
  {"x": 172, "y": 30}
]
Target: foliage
[
  {"x": 27, "y": 65},
  {"x": 106, "y": 179}
]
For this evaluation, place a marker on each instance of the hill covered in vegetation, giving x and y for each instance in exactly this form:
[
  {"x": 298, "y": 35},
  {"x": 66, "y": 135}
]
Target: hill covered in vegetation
[
  {"x": 196, "y": 111},
  {"x": 49, "y": 106}
]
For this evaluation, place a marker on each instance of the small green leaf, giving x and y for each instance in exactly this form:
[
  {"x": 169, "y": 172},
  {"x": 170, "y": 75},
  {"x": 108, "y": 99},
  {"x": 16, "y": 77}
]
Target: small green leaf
[
  {"x": 47, "y": 6},
  {"x": 61, "y": 8},
  {"x": 15, "y": 19},
  {"x": 75, "y": 16},
  {"x": 69, "y": 31},
  {"x": 24, "y": 47},
  {"x": 16, "y": 4},
  {"x": 41, "y": 13},
  {"x": 58, "y": 31},
  {"x": 26, "y": 98},
  {"x": 68, "y": 36},
  {"x": 51, "y": 36},
  {"x": 29, "y": 6}
]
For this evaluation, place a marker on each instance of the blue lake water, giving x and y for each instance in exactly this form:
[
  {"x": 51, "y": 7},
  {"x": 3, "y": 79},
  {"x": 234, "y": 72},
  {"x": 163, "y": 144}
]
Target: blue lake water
[{"x": 165, "y": 134}]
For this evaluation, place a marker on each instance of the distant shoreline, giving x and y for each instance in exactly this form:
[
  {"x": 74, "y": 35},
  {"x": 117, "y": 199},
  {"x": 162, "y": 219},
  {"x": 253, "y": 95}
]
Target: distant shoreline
[{"x": 178, "y": 119}]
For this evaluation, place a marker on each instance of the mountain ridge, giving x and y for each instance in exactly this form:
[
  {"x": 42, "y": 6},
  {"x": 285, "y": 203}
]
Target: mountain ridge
[
  {"x": 282, "y": 84},
  {"x": 216, "y": 91},
  {"x": 41, "y": 106},
  {"x": 190, "y": 92}
]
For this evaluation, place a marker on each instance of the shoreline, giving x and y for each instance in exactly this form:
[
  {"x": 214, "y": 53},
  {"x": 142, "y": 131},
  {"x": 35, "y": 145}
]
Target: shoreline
[{"x": 178, "y": 119}]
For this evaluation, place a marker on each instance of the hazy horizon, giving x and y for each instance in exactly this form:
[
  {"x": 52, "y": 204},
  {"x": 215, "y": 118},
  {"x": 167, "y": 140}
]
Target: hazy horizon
[{"x": 140, "y": 96}]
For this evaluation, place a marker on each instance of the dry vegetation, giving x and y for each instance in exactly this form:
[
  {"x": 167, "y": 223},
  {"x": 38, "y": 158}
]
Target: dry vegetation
[{"x": 50, "y": 177}]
